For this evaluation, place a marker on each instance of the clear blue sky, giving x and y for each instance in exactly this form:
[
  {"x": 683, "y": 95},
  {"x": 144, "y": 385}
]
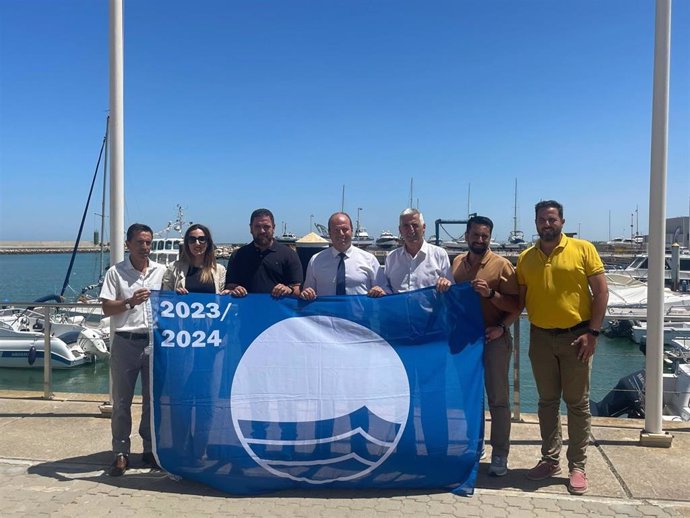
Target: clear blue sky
[{"x": 234, "y": 105}]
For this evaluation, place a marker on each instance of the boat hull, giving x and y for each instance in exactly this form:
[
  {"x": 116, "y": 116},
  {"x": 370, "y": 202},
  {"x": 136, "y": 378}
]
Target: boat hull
[{"x": 19, "y": 349}]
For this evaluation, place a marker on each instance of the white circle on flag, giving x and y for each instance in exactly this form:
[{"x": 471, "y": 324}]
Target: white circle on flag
[{"x": 316, "y": 369}]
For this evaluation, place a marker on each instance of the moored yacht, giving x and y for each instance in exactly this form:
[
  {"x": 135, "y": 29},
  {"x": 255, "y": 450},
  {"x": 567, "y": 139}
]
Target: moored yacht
[
  {"x": 638, "y": 267},
  {"x": 165, "y": 248},
  {"x": 386, "y": 240}
]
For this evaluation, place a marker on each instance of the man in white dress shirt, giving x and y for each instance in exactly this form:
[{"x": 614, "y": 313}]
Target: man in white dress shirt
[
  {"x": 417, "y": 264},
  {"x": 343, "y": 269},
  {"x": 125, "y": 296}
]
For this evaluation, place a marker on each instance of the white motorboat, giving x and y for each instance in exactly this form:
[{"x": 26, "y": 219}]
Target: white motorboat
[
  {"x": 628, "y": 298},
  {"x": 672, "y": 331},
  {"x": 386, "y": 240},
  {"x": 625, "y": 244},
  {"x": 627, "y": 305},
  {"x": 453, "y": 245},
  {"x": 638, "y": 268},
  {"x": 676, "y": 394},
  {"x": 360, "y": 237},
  {"x": 286, "y": 237},
  {"x": 26, "y": 349},
  {"x": 73, "y": 340}
]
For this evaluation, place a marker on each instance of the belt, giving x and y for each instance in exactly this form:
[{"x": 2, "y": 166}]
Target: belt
[
  {"x": 132, "y": 336},
  {"x": 559, "y": 331}
]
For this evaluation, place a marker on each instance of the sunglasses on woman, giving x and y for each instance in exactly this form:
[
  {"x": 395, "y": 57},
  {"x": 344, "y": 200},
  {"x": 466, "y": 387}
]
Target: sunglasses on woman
[{"x": 196, "y": 239}]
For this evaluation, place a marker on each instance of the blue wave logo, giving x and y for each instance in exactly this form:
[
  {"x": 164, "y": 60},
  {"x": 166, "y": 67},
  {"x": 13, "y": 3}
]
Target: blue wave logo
[
  {"x": 319, "y": 399},
  {"x": 324, "y": 450}
]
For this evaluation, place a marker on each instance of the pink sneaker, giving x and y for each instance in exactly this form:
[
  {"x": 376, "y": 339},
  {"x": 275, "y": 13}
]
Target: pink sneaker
[
  {"x": 543, "y": 470},
  {"x": 577, "y": 483}
]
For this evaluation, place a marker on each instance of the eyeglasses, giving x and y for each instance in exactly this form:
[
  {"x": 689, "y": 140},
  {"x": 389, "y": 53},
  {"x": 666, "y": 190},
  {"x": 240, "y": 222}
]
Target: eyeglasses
[{"x": 195, "y": 239}]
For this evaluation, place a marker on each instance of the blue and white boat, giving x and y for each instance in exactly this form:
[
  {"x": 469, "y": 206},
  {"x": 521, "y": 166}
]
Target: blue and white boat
[{"x": 22, "y": 342}]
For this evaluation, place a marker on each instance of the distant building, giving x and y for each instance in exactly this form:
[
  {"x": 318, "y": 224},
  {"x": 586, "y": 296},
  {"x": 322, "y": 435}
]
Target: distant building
[{"x": 678, "y": 231}]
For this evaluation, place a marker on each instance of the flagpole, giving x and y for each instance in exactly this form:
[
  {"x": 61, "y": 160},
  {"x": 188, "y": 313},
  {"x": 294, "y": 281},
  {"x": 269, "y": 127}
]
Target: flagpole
[
  {"x": 117, "y": 221},
  {"x": 653, "y": 435}
]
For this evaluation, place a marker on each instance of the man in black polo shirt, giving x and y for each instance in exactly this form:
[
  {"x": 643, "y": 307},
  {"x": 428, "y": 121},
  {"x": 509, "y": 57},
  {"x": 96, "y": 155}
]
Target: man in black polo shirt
[{"x": 264, "y": 265}]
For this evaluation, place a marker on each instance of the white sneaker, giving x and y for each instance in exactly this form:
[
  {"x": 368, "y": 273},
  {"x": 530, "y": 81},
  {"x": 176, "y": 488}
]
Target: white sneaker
[
  {"x": 499, "y": 466},
  {"x": 482, "y": 454}
]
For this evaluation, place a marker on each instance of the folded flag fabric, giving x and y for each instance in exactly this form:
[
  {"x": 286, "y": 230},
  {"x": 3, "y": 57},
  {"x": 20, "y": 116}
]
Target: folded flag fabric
[{"x": 259, "y": 394}]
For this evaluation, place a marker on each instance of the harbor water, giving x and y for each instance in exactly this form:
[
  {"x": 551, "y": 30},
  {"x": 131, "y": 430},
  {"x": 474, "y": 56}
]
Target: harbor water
[{"x": 25, "y": 277}]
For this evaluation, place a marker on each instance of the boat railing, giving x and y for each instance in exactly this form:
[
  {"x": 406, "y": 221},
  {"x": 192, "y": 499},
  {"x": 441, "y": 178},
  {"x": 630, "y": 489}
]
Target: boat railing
[{"x": 47, "y": 308}]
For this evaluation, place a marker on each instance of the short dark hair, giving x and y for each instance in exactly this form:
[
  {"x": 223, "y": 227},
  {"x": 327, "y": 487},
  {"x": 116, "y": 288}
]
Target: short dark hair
[
  {"x": 135, "y": 228},
  {"x": 480, "y": 220},
  {"x": 548, "y": 204},
  {"x": 260, "y": 213},
  {"x": 340, "y": 214}
]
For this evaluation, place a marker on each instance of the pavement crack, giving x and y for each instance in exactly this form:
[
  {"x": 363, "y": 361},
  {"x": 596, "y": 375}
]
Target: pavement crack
[{"x": 612, "y": 467}]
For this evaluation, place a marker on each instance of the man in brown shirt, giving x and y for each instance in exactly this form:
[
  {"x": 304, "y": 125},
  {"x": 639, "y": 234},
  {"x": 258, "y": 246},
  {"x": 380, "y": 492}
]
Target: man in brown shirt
[{"x": 494, "y": 279}]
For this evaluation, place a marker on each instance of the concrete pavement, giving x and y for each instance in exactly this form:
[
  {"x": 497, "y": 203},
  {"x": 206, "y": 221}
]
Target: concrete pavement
[{"x": 53, "y": 455}]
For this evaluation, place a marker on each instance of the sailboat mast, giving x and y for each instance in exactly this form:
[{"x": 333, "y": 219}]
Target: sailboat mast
[
  {"x": 101, "y": 270},
  {"x": 411, "y": 191},
  {"x": 609, "y": 224},
  {"x": 342, "y": 200},
  {"x": 469, "y": 187},
  {"x": 515, "y": 210}
]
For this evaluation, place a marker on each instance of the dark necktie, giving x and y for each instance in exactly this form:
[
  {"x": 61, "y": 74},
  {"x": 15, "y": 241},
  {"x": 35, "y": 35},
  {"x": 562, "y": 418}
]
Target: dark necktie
[{"x": 340, "y": 276}]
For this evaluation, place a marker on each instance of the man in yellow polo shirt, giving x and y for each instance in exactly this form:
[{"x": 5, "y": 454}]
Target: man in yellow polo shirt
[{"x": 563, "y": 287}]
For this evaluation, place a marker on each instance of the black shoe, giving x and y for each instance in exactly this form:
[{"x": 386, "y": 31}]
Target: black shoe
[
  {"x": 149, "y": 460},
  {"x": 119, "y": 465}
]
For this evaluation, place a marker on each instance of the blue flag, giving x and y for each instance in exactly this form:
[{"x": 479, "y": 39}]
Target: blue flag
[{"x": 258, "y": 394}]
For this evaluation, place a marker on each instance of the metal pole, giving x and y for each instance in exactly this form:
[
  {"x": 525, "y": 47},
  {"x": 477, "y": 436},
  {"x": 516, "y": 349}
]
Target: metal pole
[
  {"x": 675, "y": 266},
  {"x": 653, "y": 435},
  {"x": 117, "y": 152},
  {"x": 516, "y": 370},
  {"x": 47, "y": 357}
]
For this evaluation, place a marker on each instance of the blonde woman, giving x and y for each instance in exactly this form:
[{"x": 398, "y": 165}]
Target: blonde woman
[{"x": 197, "y": 270}]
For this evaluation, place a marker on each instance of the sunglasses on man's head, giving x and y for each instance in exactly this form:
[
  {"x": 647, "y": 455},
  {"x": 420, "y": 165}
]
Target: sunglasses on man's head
[{"x": 196, "y": 239}]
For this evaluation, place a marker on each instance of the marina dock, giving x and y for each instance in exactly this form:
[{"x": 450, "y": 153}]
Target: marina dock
[{"x": 54, "y": 453}]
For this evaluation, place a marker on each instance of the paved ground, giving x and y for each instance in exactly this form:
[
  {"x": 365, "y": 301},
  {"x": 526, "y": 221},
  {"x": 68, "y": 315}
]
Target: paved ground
[{"x": 53, "y": 453}]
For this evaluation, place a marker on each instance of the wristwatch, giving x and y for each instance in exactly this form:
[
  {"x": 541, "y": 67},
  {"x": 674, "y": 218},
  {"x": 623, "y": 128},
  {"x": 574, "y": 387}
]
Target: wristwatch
[
  {"x": 128, "y": 304},
  {"x": 502, "y": 326},
  {"x": 593, "y": 332},
  {"x": 492, "y": 293}
]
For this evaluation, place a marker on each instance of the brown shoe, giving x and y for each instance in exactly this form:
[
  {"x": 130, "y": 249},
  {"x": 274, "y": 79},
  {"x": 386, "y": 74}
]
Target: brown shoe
[
  {"x": 577, "y": 482},
  {"x": 119, "y": 465},
  {"x": 543, "y": 470}
]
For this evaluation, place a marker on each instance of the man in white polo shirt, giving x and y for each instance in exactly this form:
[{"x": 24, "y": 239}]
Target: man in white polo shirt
[{"x": 125, "y": 296}]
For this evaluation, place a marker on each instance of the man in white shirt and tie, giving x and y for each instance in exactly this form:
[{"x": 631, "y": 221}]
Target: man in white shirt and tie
[{"x": 343, "y": 269}]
